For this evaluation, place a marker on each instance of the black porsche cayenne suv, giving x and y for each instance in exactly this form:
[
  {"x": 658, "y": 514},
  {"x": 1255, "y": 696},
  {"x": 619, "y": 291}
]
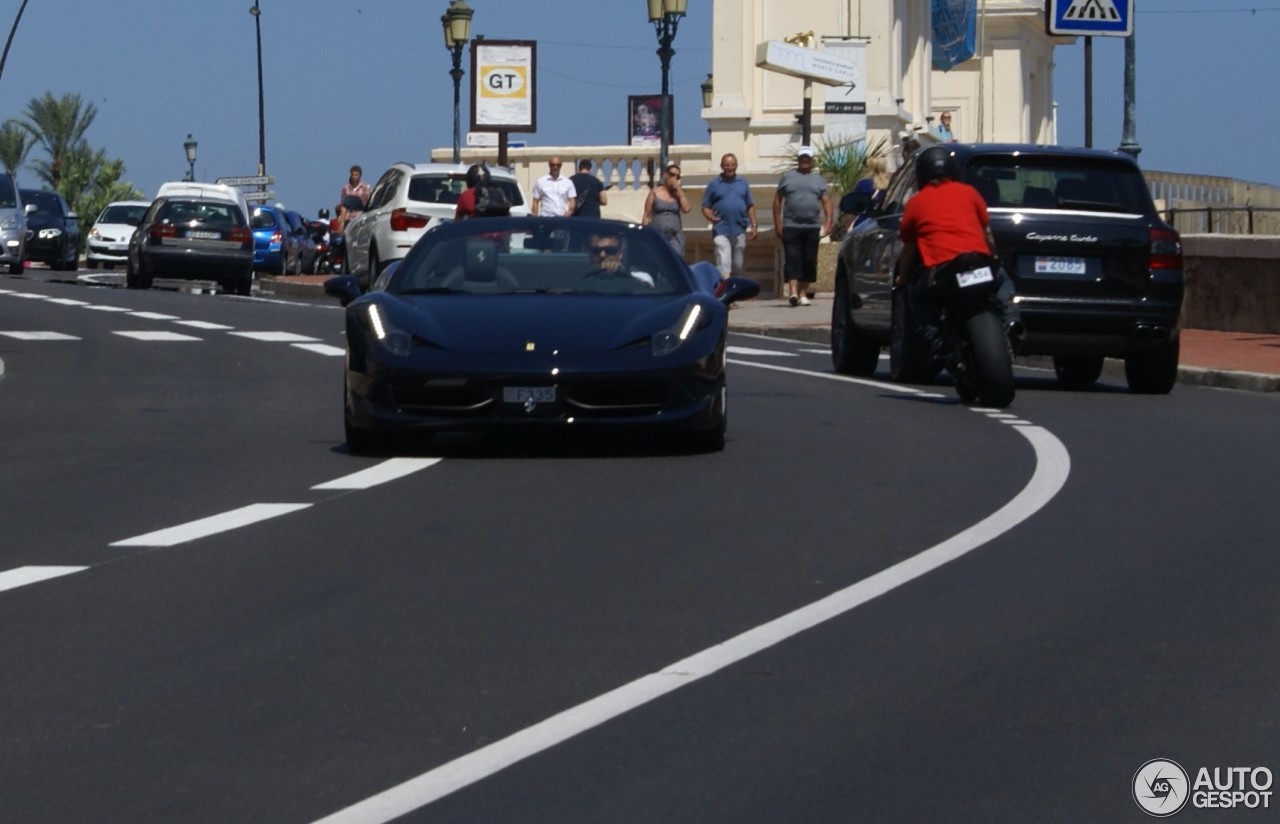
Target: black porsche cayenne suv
[{"x": 1098, "y": 273}]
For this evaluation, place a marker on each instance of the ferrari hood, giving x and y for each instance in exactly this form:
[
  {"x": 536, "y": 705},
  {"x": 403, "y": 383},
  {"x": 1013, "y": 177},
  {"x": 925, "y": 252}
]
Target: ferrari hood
[{"x": 545, "y": 322}]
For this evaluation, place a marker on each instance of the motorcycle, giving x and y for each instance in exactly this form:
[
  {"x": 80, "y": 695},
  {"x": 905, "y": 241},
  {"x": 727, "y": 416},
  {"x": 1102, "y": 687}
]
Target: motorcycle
[{"x": 975, "y": 346}]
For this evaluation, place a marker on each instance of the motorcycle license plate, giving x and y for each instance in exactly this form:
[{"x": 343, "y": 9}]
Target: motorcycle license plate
[
  {"x": 529, "y": 394},
  {"x": 1060, "y": 266},
  {"x": 975, "y": 277}
]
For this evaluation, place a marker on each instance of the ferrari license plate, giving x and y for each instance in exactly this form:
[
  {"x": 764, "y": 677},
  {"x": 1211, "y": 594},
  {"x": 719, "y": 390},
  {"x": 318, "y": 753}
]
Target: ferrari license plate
[
  {"x": 529, "y": 394},
  {"x": 1060, "y": 266},
  {"x": 975, "y": 277}
]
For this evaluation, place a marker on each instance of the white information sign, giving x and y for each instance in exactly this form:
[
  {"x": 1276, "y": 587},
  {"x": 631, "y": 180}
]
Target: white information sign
[
  {"x": 845, "y": 110},
  {"x": 502, "y": 92},
  {"x": 809, "y": 64}
]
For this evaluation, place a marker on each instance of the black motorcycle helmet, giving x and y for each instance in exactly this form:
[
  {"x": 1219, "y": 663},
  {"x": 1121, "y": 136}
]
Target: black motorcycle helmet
[
  {"x": 324, "y": 214},
  {"x": 935, "y": 163}
]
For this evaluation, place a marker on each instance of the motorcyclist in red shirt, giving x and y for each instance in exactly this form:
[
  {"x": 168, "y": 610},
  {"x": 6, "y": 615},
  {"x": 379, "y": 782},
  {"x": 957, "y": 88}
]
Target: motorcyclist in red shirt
[{"x": 945, "y": 219}]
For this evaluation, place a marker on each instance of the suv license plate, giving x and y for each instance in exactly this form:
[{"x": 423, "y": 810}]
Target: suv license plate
[
  {"x": 1060, "y": 266},
  {"x": 975, "y": 277},
  {"x": 529, "y": 394}
]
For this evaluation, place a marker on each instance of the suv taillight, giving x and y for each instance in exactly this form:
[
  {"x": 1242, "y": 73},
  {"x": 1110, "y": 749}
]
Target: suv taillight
[
  {"x": 159, "y": 230},
  {"x": 402, "y": 219},
  {"x": 1166, "y": 249}
]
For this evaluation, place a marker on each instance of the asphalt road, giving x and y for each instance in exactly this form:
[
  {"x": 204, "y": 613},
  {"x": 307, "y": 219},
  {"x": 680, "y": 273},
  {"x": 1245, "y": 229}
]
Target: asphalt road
[{"x": 876, "y": 605}]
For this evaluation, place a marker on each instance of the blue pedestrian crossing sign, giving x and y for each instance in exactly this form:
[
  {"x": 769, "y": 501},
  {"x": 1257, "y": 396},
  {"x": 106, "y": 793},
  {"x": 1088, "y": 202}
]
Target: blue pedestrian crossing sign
[{"x": 1089, "y": 18}]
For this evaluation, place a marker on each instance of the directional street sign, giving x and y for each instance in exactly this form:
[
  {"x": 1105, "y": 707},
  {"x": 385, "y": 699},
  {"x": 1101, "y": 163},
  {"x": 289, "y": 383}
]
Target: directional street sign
[
  {"x": 254, "y": 197},
  {"x": 1089, "y": 18},
  {"x": 260, "y": 180}
]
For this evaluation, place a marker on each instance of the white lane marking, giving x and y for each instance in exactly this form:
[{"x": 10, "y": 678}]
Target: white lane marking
[
  {"x": 817, "y": 351},
  {"x": 275, "y": 337},
  {"x": 152, "y": 316},
  {"x": 109, "y": 308},
  {"x": 204, "y": 324},
  {"x": 68, "y": 302},
  {"x": 1053, "y": 465},
  {"x": 21, "y": 576},
  {"x": 38, "y": 336},
  {"x": 388, "y": 470},
  {"x": 29, "y": 295},
  {"x": 1015, "y": 422},
  {"x": 321, "y": 349},
  {"x": 156, "y": 336},
  {"x": 236, "y": 518},
  {"x": 746, "y": 350}
]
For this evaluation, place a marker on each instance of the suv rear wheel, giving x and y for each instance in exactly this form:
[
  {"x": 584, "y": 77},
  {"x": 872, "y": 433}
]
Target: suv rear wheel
[
  {"x": 1078, "y": 370},
  {"x": 853, "y": 352},
  {"x": 1153, "y": 371}
]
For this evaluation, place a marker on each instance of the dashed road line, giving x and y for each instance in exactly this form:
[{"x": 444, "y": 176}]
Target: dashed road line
[
  {"x": 36, "y": 335},
  {"x": 212, "y": 525},
  {"x": 22, "y": 576},
  {"x": 388, "y": 470},
  {"x": 206, "y": 325},
  {"x": 275, "y": 337},
  {"x": 321, "y": 349},
  {"x": 157, "y": 336}
]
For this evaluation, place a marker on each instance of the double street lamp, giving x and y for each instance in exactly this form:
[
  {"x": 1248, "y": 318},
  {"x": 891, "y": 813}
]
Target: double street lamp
[
  {"x": 457, "y": 31},
  {"x": 189, "y": 146},
  {"x": 665, "y": 16}
]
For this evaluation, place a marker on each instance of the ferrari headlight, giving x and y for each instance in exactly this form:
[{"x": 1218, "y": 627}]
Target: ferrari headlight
[
  {"x": 394, "y": 340},
  {"x": 669, "y": 340}
]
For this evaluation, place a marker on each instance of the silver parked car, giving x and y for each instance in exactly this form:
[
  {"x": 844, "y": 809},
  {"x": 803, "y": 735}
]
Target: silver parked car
[{"x": 13, "y": 226}]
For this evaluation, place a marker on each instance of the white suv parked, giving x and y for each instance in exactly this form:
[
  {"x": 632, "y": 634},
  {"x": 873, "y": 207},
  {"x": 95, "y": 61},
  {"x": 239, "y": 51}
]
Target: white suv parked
[{"x": 407, "y": 200}]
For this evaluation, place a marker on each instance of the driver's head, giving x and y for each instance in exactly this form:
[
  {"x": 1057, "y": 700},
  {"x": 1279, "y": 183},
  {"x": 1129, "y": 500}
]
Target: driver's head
[{"x": 605, "y": 251}]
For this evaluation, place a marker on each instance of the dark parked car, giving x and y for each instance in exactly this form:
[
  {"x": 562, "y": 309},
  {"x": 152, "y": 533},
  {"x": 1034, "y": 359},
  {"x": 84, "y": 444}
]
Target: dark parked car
[
  {"x": 1098, "y": 273},
  {"x": 305, "y": 260},
  {"x": 192, "y": 238},
  {"x": 54, "y": 233},
  {"x": 523, "y": 323}
]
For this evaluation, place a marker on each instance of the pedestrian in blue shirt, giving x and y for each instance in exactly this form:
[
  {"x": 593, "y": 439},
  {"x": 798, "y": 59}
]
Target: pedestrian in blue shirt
[{"x": 728, "y": 207}]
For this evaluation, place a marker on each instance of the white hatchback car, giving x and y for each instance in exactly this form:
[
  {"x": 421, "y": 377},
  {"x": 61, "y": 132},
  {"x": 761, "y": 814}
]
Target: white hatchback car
[
  {"x": 407, "y": 200},
  {"x": 108, "y": 242}
]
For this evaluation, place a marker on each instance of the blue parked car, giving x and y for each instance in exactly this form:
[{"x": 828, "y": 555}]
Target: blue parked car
[{"x": 276, "y": 247}]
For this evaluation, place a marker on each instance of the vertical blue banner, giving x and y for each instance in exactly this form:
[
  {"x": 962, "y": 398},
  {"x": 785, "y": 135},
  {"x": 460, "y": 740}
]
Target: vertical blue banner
[{"x": 955, "y": 32}]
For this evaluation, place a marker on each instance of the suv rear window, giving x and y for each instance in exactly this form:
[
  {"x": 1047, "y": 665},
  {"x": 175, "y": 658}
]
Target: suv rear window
[
  {"x": 1058, "y": 183},
  {"x": 439, "y": 188}
]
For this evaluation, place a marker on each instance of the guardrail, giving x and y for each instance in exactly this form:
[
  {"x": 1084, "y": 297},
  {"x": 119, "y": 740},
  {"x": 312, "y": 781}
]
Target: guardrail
[{"x": 1226, "y": 220}]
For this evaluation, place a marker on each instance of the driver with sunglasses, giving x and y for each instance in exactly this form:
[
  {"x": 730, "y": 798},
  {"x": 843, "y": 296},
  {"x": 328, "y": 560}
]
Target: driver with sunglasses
[{"x": 609, "y": 272}]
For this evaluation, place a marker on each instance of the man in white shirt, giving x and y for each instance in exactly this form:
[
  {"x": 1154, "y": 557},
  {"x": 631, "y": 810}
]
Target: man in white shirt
[{"x": 553, "y": 195}]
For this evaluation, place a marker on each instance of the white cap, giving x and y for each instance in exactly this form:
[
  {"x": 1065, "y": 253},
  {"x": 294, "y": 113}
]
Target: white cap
[{"x": 804, "y": 151}]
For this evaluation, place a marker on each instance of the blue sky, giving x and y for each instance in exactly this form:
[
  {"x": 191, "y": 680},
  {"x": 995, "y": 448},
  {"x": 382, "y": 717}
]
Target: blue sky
[{"x": 367, "y": 81}]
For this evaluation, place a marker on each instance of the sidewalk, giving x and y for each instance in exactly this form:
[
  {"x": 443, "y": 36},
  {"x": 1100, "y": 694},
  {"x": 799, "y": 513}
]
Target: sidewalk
[{"x": 1231, "y": 360}]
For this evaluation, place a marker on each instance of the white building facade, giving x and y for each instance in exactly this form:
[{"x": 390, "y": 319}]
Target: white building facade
[{"x": 1003, "y": 94}]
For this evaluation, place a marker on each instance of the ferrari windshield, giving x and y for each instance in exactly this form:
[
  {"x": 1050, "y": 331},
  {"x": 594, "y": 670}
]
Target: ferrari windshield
[{"x": 497, "y": 256}]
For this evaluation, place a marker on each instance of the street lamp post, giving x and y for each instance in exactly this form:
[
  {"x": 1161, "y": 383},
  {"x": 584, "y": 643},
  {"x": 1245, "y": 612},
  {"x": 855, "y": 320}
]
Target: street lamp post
[
  {"x": 189, "y": 145},
  {"x": 262, "y": 126},
  {"x": 665, "y": 16},
  {"x": 1129, "y": 139},
  {"x": 457, "y": 31}
]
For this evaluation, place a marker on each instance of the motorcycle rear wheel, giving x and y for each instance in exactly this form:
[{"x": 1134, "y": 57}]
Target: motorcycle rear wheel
[{"x": 990, "y": 362}]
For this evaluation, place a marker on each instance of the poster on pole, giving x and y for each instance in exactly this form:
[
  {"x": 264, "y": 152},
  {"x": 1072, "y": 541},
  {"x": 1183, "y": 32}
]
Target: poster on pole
[
  {"x": 644, "y": 120},
  {"x": 845, "y": 110},
  {"x": 503, "y": 88}
]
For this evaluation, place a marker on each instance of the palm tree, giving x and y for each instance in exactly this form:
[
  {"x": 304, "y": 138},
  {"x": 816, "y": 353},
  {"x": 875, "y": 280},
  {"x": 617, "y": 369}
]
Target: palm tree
[
  {"x": 58, "y": 126},
  {"x": 15, "y": 145}
]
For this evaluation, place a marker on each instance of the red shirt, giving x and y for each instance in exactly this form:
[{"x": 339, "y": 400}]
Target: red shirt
[
  {"x": 466, "y": 205},
  {"x": 945, "y": 220}
]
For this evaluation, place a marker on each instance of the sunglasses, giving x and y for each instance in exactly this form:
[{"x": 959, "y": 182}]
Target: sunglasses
[
  {"x": 606, "y": 251},
  {"x": 674, "y": 174}
]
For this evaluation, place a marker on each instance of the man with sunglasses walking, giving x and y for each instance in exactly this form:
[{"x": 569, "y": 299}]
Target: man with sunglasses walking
[{"x": 553, "y": 194}]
